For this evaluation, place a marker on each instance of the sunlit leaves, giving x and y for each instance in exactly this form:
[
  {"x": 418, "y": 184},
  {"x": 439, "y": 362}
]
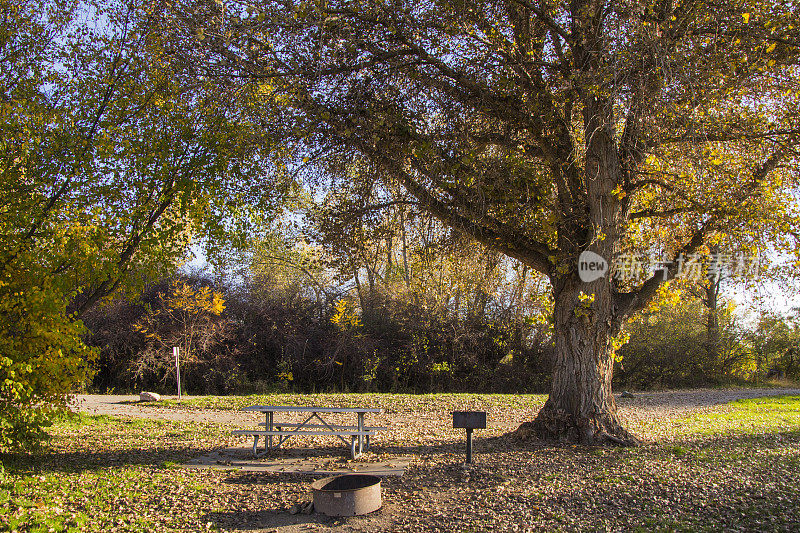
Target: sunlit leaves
[
  {"x": 112, "y": 160},
  {"x": 188, "y": 317}
]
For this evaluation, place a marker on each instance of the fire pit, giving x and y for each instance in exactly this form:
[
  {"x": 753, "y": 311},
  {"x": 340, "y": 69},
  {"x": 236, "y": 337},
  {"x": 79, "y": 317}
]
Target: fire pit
[{"x": 347, "y": 495}]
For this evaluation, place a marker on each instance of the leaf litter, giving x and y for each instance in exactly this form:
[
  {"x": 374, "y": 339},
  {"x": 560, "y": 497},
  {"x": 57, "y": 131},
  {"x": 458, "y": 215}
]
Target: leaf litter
[{"x": 705, "y": 465}]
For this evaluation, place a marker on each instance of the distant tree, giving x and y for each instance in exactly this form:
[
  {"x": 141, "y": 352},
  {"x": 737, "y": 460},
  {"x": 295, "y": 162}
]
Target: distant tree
[
  {"x": 668, "y": 347},
  {"x": 776, "y": 344},
  {"x": 191, "y": 319}
]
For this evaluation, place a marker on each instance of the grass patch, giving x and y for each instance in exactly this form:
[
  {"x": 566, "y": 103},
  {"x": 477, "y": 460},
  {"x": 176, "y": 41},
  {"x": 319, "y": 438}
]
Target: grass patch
[
  {"x": 103, "y": 473},
  {"x": 744, "y": 417}
]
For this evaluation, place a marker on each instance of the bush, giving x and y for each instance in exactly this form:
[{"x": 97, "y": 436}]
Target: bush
[
  {"x": 42, "y": 356},
  {"x": 776, "y": 345},
  {"x": 669, "y": 348},
  {"x": 270, "y": 340}
]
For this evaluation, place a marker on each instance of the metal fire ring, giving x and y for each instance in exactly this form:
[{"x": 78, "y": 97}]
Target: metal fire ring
[{"x": 347, "y": 495}]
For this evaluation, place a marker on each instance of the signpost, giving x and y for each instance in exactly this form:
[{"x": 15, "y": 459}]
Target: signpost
[{"x": 176, "y": 353}]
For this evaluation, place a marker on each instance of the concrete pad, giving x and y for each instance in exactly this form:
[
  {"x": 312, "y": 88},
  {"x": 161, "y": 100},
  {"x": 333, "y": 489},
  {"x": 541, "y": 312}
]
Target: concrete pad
[{"x": 283, "y": 462}]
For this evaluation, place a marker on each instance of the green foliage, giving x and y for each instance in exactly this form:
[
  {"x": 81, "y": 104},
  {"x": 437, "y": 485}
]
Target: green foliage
[
  {"x": 42, "y": 357},
  {"x": 776, "y": 346},
  {"x": 667, "y": 347},
  {"x": 111, "y": 162}
]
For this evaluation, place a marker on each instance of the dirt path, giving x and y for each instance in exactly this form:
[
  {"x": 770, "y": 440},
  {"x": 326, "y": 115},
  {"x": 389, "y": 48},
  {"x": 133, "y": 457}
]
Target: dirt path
[
  {"x": 129, "y": 405},
  {"x": 643, "y": 403},
  {"x": 691, "y": 399}
]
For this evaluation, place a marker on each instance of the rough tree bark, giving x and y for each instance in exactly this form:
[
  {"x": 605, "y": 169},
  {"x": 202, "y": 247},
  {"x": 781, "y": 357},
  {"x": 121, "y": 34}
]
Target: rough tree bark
[
  {"x": 587, "y": 316},
  {"x": 581, "y": 407}
]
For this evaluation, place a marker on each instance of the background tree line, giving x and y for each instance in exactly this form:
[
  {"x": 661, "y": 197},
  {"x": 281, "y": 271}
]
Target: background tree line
[
  {"x": 389, "y": 306},
  {"x": 385, "y": 298}
]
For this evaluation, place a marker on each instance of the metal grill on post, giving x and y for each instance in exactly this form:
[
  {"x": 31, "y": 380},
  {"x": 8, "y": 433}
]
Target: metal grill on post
[{"x": 469, "y": 420}]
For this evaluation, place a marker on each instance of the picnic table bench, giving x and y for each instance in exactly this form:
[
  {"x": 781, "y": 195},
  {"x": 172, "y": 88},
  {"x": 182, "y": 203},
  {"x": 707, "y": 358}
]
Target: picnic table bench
[{"x": 314, "y": 424}]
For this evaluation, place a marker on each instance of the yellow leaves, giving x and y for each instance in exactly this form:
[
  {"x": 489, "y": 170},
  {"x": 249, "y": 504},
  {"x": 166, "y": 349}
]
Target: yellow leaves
[
  {"x": 746, "y": 17},
  {"x": 265, "y": 89},
  {"x": 651, "y": 161},
  {"x": 344, "y": 317},
  {"x": 771, "y": 47},
  {"x": 217, "y": 304},
  {"x": 617, "y": 342},
  {"x": 667, "y": 295},
  {"x": 186, "y": 317},
  {"x": 584, "y": 307},
  {"x": 619, "y": 192},
  {"x": 203, "y": 300}
]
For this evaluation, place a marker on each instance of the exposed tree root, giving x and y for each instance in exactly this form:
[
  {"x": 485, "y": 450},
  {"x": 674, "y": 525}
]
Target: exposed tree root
[{"x": 555, "y": 425}]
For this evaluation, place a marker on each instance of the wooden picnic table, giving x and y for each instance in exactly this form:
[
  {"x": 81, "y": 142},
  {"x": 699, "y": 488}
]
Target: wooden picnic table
[{"x": 359, "y": 434}]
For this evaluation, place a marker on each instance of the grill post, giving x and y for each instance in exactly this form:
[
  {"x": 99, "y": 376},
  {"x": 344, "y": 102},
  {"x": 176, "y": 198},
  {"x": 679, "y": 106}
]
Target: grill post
[
  {"x": 469, "y": 446},
  {"x": 469, "y": 420}
]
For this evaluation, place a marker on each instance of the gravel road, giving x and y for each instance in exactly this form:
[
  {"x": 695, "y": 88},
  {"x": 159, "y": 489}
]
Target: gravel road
[
  {"x": 129, "y": 405},
  {"x": 643, "y": 404}
]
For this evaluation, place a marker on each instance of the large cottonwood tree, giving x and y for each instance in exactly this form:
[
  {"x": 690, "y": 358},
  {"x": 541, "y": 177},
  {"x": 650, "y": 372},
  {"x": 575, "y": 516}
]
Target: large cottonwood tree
[{"x": 542, "y": 129}]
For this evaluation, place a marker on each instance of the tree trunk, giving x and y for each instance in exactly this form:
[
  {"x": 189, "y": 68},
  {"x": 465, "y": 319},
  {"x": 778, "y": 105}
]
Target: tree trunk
[
  {"x": 406, "y": 272},
  {"x": 520, "y": 294},
  {"x": 711, "y": 301},
  {"x": 581, "y": 407}
]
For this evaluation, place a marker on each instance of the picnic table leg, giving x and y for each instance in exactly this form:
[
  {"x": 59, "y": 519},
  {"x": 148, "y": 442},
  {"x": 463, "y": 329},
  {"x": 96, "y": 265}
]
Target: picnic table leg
[
  {"x": 268, "y": 443},
  {"x": 360, "y": 433},
  {"x": 357, "y": 441}
]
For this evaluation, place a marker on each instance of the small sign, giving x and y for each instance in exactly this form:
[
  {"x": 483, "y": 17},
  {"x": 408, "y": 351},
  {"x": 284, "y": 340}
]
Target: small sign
[
  {"x": 469, "y": 419},
  {"x": 176, "y": 353}
]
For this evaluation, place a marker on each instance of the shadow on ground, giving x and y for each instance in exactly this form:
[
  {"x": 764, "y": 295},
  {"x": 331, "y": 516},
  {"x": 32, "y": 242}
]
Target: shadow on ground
[
  {"x": 265, "y": 519},
  {"x": 326, "y": 459},
  {"x": 44, "y": 461}
]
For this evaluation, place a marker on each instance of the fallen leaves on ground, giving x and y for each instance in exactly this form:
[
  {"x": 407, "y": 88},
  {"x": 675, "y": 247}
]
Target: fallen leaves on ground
[{"x": 707, "y": 467}]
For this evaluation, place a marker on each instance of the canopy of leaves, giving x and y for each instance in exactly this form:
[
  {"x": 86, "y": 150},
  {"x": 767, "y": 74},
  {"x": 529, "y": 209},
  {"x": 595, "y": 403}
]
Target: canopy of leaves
[
  {"x": 111, "y": 162},
  {"x": 537, "y": 128}
]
